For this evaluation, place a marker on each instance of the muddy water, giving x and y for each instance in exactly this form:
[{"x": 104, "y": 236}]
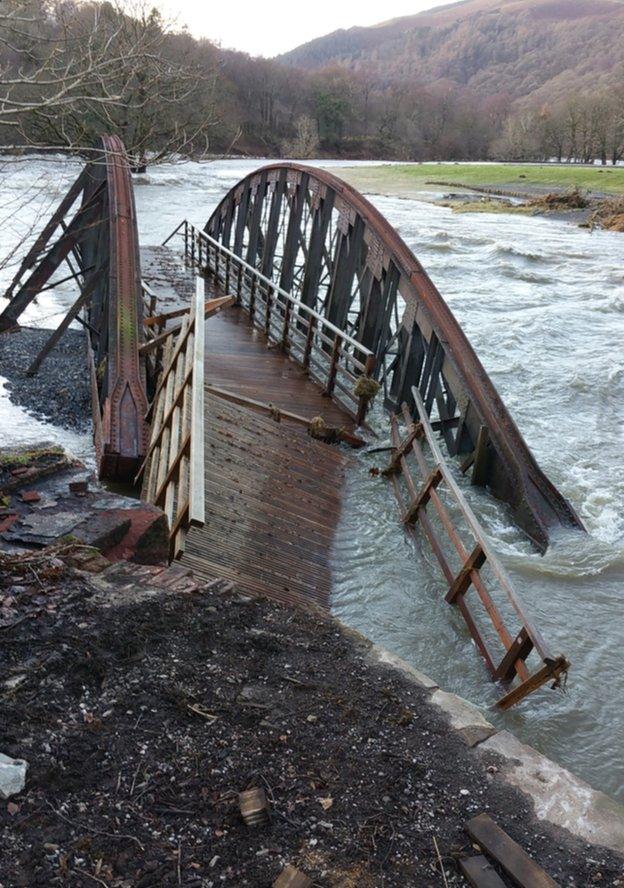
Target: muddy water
[{"x": 543, "y": 303}]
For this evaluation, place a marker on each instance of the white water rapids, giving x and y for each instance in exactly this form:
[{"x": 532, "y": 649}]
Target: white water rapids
[{"x": 543, "y": 303}]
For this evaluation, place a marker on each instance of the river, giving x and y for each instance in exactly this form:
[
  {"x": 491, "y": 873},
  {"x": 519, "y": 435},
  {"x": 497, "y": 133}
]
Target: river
[{"x": 543, "y": 303}]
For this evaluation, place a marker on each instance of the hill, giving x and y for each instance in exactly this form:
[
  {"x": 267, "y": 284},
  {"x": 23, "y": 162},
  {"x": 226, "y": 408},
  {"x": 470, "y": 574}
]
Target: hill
[{"x": 538, "y": 48}]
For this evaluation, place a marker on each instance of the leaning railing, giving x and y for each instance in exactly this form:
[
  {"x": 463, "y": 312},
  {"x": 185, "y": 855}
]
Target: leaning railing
[
  {"x": 334, "y": 360},
  {"x": 467, "y": 560},
  {"x": 173, "y": 470}
]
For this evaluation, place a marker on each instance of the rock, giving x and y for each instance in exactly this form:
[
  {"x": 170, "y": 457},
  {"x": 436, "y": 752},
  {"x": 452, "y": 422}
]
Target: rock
[
  {"x": 465, "y": 718},
  {"x": 558, "y": 795},
  {"x": 12, "y": 776},
  {"x": 381, "y": 655},
  {"x": 104, "y": 530}
]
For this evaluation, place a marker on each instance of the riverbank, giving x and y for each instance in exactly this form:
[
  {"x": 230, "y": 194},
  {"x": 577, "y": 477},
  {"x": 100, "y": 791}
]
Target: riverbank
[
  {"x": 143, "y": 710},
  {"x": 409, "y": 180},
  {"x": 586, "y": 196},
  {"x": 60, "y": 391}
]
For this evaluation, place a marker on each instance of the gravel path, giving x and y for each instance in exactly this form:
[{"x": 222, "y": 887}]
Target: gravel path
[{"x": 60, "y": 391}]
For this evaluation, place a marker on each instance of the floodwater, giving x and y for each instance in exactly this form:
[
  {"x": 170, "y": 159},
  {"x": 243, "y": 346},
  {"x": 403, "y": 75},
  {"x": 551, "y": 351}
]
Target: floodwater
[{"x": 543, "y": 304}]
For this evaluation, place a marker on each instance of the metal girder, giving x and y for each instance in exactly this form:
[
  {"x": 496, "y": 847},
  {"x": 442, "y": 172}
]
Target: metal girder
[
  {"x": 102, "y": 238},
  {"x": 344, "y": 259}
]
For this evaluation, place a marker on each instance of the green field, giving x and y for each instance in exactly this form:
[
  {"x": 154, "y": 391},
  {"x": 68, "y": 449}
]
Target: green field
[{"x": 405, "y": 179}]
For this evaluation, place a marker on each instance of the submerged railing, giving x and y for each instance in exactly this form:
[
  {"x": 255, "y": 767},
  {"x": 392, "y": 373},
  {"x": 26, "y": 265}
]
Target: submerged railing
[
  {"x": 334, "y": 359},
  {"x": 447, "y": 521}
]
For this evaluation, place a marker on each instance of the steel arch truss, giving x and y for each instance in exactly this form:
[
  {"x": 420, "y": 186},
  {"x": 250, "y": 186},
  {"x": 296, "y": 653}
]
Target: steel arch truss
[{"x": 323, "y": 242}]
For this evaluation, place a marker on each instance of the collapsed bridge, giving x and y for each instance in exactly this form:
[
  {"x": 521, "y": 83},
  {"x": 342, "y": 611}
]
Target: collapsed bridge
[{"x": 296, "y": 260}]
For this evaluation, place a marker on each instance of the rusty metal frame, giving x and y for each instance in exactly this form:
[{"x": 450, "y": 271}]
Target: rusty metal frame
[
  {"x": 306, "y": 228},
  {"x": 102, "y": 239}
]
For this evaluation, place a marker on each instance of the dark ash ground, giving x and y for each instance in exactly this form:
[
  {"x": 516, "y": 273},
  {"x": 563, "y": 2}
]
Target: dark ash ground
[{"x": 142, "y": 722}]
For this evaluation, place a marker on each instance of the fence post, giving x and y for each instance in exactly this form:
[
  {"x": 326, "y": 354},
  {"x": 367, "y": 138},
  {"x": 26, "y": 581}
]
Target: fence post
[
  {"x": 239, "y": 282},
  {"x": 252, "y": 300},
  {"x": 287, "y": 313},
  {"x": 186, "y": 247}
]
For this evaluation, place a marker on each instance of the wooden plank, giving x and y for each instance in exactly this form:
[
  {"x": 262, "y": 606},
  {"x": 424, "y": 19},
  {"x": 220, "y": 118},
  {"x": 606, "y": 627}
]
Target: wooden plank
[
  {"x": 519, "y": 650},
  {"x": 551, "y": 671},
  {"x": 196, "y": 494},
  {"x": 211, "y": 308},
  {"x": 480, "y": 872},
  {"x": 462, "y": 581},
  {"x": 423, "y": 496},
  {"x": 512, "y": 858}
]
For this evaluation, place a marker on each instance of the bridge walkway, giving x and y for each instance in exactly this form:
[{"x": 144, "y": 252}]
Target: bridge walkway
[{"x": 273, "y": 494}]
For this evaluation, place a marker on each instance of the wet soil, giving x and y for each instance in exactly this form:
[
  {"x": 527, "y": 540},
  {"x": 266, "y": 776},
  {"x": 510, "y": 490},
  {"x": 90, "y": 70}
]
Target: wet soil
[
  {"x": 60, "y": 391},
  {"x": 143, "y": 716}
]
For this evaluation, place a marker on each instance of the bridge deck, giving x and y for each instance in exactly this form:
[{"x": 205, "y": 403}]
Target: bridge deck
[{"x": 273, "y": 494}]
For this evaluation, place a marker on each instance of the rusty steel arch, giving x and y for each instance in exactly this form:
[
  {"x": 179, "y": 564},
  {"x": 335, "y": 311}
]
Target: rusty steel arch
[{"x": 321, "y": 240}]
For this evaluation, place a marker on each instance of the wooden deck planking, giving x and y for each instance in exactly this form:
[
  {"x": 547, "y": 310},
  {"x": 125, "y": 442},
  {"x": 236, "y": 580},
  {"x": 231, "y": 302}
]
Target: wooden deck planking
[
  {"x": 273, "y": 495},
  {"x": 237, "y": 359},
  {"x": 273, "y": 499}
]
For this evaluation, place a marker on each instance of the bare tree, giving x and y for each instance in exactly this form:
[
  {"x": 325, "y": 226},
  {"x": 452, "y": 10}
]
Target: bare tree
[
  {"x": 77, "y": 70},
  {"x": 306, "y": 141}
]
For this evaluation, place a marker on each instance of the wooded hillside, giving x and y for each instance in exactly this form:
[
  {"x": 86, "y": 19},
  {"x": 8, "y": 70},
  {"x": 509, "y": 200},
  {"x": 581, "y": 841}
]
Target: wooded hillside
[
  {"x": 504, "y": 79},
  {"x": 525, "y": 48}
]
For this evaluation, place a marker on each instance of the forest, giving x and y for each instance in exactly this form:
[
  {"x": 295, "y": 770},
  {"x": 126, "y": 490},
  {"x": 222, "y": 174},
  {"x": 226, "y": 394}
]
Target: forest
[{"x": 70, "y": 71}]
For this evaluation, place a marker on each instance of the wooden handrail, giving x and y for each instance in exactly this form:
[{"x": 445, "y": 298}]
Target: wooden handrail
[{"x": 173, "y": 469}]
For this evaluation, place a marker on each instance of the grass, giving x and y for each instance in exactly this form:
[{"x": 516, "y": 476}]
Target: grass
[{"x": 405, "y": 179}]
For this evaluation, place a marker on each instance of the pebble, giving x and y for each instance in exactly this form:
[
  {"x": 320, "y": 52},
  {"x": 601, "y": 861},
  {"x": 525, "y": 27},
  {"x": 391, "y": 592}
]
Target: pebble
[{"x": 12, "y": 776}]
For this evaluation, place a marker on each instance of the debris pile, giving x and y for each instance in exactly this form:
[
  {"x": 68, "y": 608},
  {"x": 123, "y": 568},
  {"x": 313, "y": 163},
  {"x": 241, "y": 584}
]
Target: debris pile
[
  {"x": 574, "y": 199},
  {"x": 609, "y": 214}
]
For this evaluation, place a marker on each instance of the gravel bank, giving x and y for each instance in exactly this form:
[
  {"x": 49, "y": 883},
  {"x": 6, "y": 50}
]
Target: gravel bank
[{"x": 60, "y": 392}]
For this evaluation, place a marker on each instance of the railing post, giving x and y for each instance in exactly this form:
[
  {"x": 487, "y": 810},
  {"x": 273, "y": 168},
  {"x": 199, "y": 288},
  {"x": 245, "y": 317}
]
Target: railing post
[
  {"x": 193, "y": 248},
  {"x": 309, "y": 341},
  {"x": 364, "y": 402},
  {"x": 267, "y": 317},
  {"x": 252, "y": 300},
  {"x": 239, "y": 282},
  {"x": 287, "y": 314},
  {"x": 333, "y": 367},
  {"x": 186, "y": 246},
  {"x": 227, "y": 274}
]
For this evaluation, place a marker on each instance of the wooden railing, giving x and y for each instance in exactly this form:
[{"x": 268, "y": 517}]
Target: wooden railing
[
  {"x": 333, "y": 359},
  {"x": 173, "y": 469},
  {"x": 437, "y": 503}
]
